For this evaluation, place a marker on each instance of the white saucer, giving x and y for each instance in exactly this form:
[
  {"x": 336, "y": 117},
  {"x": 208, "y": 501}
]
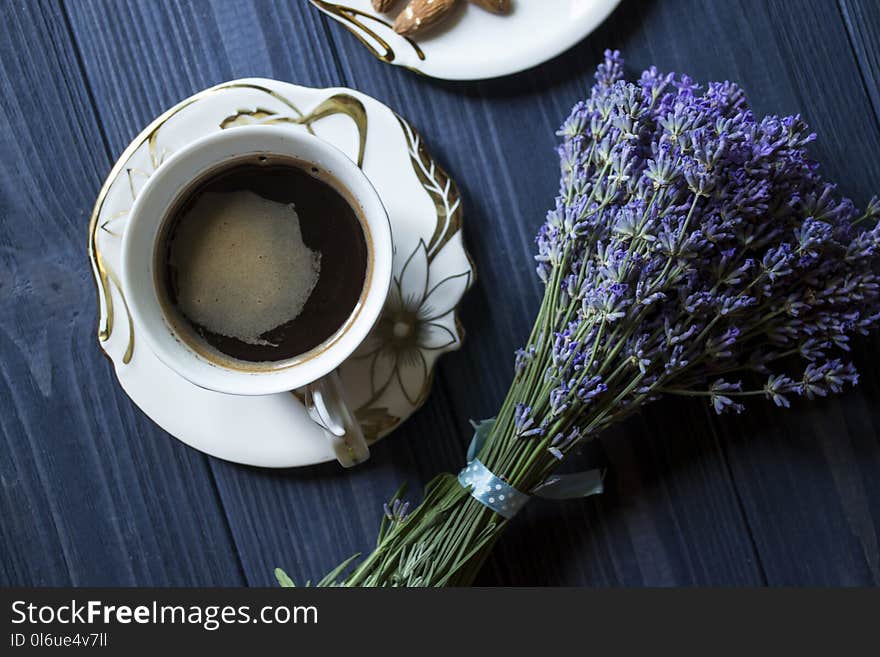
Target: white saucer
[
  {"x": 474, "y": 44},
  {"x": 390, "y": 376}
]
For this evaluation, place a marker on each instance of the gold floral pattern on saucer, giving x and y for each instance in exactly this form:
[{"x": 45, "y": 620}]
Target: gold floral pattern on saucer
[{"x": 390, "y": 375}]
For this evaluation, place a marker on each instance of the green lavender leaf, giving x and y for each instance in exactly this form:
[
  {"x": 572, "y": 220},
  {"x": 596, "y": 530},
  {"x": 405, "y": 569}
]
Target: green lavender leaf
[{"x": 283, "y": 579}]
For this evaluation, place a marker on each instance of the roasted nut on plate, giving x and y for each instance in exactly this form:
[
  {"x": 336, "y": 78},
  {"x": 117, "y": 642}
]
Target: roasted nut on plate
[{"x": 421, "y": 14}]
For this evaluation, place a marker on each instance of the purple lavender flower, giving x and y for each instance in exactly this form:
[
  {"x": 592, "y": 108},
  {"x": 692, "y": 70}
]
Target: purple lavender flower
[
  {"x": 524, "y": 423},
  {"x": 563, "y": 442},
  {"x": 397, "y": 511},
  {"x": 720, "y": 397},
  {"x": 777, "y": 387},
  {"x": 690, "y": 238}
]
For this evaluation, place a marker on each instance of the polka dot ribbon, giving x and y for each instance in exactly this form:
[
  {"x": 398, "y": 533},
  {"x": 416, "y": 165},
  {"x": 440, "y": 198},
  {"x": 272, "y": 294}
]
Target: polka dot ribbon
[{"x": 492, "y": 491}]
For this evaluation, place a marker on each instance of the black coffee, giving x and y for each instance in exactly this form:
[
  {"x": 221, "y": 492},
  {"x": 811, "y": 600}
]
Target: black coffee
[{"x": 264, "y": 259}]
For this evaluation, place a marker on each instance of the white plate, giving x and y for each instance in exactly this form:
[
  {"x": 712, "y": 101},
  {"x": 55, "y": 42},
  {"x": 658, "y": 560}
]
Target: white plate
[
  {"x": 474, "y": 44},
  {"x": 390, "y": 376}
]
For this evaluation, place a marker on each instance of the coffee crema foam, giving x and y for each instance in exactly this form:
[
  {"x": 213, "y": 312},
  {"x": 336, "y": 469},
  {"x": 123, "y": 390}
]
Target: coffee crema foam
[{"x": 242, "y": 266}]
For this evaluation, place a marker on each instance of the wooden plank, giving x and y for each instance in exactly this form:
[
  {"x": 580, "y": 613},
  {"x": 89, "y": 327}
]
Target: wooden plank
[
  {"x": 808, "y": 478},
  {"x": 93, "y": 494},
  {"x": 862, "y": 19},
  {"x": 141, "y": 58}
]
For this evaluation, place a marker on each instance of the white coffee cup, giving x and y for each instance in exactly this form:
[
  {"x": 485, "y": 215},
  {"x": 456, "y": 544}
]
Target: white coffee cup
[{"x": 314, "y": 372}]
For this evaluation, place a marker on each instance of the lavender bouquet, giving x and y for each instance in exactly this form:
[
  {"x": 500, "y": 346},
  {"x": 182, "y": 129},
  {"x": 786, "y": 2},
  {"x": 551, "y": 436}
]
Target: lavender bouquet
[{"x": 691, "y": 244}]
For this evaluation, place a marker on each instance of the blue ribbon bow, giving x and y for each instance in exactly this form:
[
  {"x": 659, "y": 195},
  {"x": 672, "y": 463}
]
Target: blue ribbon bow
[{"x": 492, "y": 491}]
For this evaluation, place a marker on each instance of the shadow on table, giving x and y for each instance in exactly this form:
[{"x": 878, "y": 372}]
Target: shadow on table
[{"x": 685, "y": 487}]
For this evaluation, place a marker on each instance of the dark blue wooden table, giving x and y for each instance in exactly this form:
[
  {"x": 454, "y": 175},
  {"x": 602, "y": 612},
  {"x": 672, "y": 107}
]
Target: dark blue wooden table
[{"x": 93, "y": 493}]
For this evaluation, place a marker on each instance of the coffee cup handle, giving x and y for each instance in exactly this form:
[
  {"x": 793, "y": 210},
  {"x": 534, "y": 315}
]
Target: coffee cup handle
[{"x": 325, "y": 402}]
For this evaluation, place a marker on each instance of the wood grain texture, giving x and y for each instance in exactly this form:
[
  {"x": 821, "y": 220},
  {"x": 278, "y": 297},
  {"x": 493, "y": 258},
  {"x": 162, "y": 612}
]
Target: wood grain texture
[
  {"x": 809, "y": 508},
  {"x": 768, "y": 498},
  {"x": 92, "y": 492},
  {"x": 862, "y": 19}
]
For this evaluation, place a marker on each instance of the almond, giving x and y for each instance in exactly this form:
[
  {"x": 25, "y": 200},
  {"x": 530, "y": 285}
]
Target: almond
[
  {"x": 420, "y": 15},
  {"x": 495, "y": 6},
  {"x": 383, "y": 5}
]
